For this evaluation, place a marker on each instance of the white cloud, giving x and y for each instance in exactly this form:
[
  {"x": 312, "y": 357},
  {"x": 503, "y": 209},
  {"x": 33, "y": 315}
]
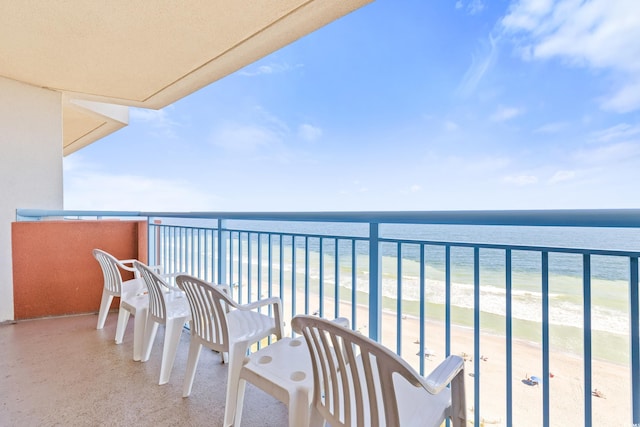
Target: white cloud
[
  {"x": 87, "y": 190},
  {"x": 415, "y": 188},
  {"x": 475, "y": 6},
  {"x": 506, "y": 113},
  {"x": 521, "y": 180},
  {"x": 450, "y": 126},
  {"x": 309, "y": 132},
  {"x": 599, "y": 34},
  {"x": 271, "y": 68},
  {"x": 620, "y": 131},
  {"x": 245, "y": 137},
  {"x": 562, "y": 176},
  {"x": 159, "y": 120},
  {"x": 480, "y": 64},
  {"x": 609, "y": 154},
  {"x": 625, "y": 99},
  {"x": 554, "y": 127}
]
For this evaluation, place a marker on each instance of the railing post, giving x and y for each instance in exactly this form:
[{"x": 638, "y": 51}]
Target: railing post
[
  {"x": 375, "y": 282},
  {"x": 586, "y": 290},
  {"x": 222, "y": 251},
  {"x": 635, "y": 341},
  {"x": 152, "y": 243}
]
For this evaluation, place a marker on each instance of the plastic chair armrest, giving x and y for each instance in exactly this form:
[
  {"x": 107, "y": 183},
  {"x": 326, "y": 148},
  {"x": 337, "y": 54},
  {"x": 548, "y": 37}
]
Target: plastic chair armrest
[
  {"x": 261, "y": 303},
  {"x": 443, "y": 374},
  {"x": 158, "y": 269},
  {"x": 167, "y": 276},
  {"x": 122, "y": 264}
]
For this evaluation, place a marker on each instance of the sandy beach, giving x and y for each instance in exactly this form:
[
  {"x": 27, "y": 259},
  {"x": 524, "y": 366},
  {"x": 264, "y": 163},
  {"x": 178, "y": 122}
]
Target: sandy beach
[{"x": 566, "y": 383}]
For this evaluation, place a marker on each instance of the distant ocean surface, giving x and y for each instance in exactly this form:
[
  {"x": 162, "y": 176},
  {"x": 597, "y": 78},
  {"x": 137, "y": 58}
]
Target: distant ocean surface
[{"x": 609, "y": 288}]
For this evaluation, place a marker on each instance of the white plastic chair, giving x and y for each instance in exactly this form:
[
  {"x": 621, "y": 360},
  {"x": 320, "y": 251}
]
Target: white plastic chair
[
  {"x": 219, "y": 323},
  {"x": 359, "y": 382},
  {"x": 168, "y": 306},
  {"x": 114, "y": 286},
  {"x": 132, "y": 294}
]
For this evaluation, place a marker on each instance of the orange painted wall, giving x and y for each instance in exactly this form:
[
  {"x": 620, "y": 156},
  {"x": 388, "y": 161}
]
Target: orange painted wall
[{"x": 54, "y": 271}]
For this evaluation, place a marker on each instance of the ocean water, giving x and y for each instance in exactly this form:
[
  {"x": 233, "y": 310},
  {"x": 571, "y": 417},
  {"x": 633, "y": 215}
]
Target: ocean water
[{"x": 609, "y": 275}]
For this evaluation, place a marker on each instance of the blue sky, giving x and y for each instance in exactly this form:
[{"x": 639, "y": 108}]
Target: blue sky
[{"x": 401, "y": 105}]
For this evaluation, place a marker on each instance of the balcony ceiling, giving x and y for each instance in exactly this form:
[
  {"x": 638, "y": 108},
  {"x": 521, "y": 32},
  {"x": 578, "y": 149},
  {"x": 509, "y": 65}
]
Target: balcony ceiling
[{"x": 143, "y": 53}]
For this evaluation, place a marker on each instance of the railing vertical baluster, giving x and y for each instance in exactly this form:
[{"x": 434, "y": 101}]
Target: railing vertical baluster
[
  {"x": 269, "y": 274},
  {"x": 586, "y": 299},
  {"x": 182, "y": 249},
  {"x": 422, "y": 309},
  {"x": 249, "y": 265},
  {"x": 259, "y": 272},
  {"x": 545, "y": 338},
  {"x": 336, "y": 277},
  {"x": 476, "y": 335},
  {"x": 447, "y": 299},
  {"x": 172, "y": 250},
  {"x": 240, "y": 272},
  {"x": 294, "y": 263},
  {"x": 211, "y": 256},
  {"x": 375, "y": 282},
  {"x": 151, "y": 244},
  {"x": 231, "y": 260},
  {"x": 354, "y": 285},
  {"x": 634, "y": 314},
  {"x": 222, "y": 251},
  {"x": 270, "y": 268},
  {"x": 194, "y": 253},
  {"x": 306, "y": 275},
  {"x": 399, "y": 299},
  {"x": 281, "y": 266},
  {"x": 200, "y": 250},
  {"x": 321, "y": 280},
  {"x": 509, "y": 335}
]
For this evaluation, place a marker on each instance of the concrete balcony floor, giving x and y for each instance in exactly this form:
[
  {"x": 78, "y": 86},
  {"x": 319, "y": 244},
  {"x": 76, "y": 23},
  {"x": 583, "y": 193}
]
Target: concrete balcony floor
[{"x": 62, "y": 371}]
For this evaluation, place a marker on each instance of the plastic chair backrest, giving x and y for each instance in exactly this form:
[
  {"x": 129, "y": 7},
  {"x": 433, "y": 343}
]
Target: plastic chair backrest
[
  {"x": 209, "y": 306},
  {"x": 156, "y": 288},
  {"x": 110, "y": 271},
  {"x": 350, "y": 370}
]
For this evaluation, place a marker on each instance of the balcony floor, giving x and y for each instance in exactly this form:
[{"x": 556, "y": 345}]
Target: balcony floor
[{"x": 62, "y": 371}]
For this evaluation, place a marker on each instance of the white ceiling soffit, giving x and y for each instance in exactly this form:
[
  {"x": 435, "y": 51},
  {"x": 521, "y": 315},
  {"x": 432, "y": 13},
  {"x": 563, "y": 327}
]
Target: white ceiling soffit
[
  {"x": 143, "y": 53},
  {"x": 85, "y": 122},
  {"x": 147, "y": 53}
]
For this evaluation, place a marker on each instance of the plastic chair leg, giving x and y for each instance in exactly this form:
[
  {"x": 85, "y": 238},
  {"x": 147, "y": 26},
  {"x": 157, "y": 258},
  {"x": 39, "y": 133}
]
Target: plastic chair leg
[
  {"x": 299, "y": 402},
  {"x": 237, "y": 352},
  {"x": 140, "y": 321},
  {"x": 123, "y": 319},
  {"x": 192, "y": 363},
  {"x": 240, "y": 401},
  {"x": 105, "y": 303},
  {"x": 172, "y": 332},
  {"x": 150, "y": 331}
]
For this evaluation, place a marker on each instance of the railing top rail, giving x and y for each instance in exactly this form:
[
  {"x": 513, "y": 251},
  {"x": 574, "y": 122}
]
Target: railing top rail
[{"x": 622, "y": 218}]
